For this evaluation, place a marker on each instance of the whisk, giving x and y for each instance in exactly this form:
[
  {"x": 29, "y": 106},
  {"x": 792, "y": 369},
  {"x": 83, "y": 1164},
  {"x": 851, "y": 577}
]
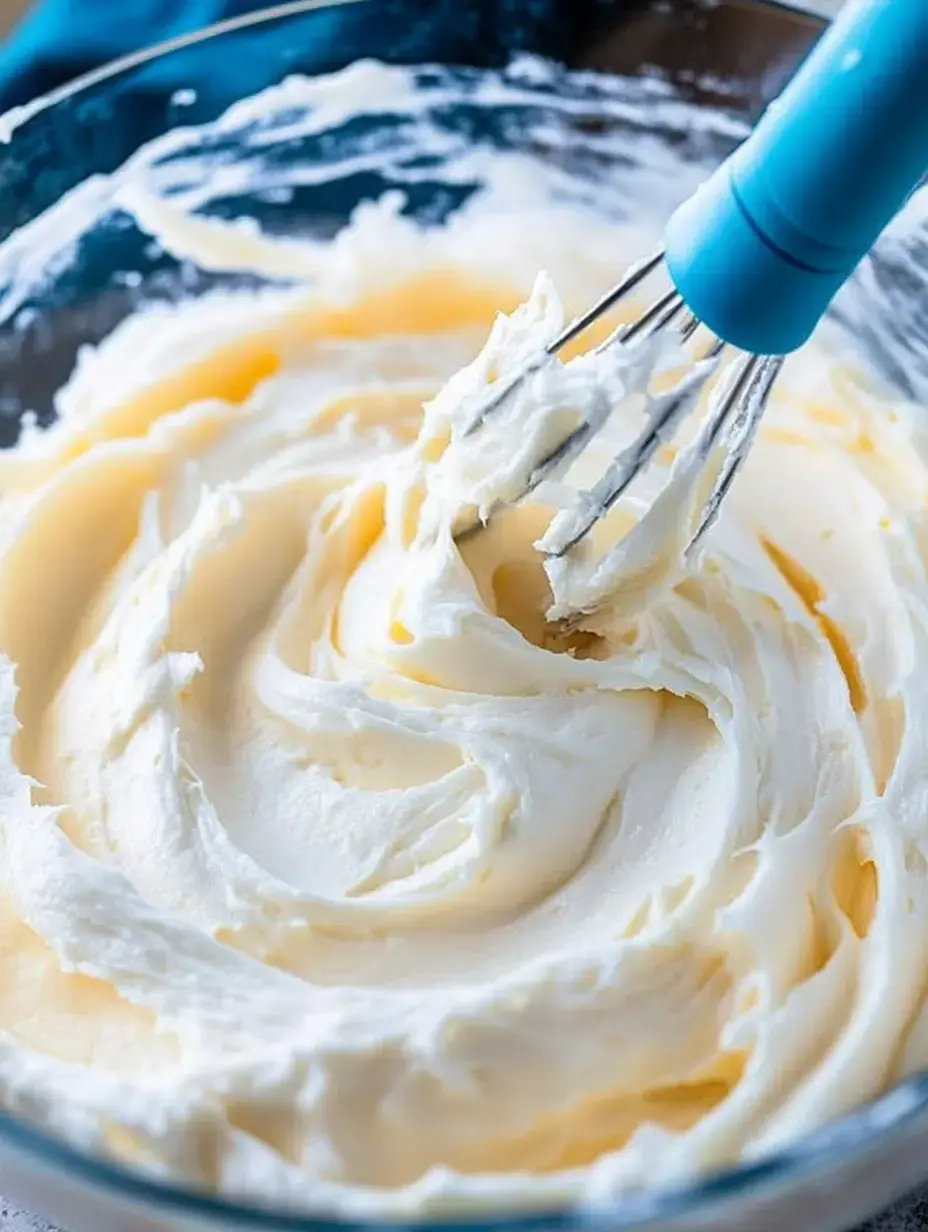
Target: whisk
[{"x": 761, "y": 249}]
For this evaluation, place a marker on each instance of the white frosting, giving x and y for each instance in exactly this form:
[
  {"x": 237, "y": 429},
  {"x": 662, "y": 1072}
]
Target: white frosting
[{"x": 333, "y": 872}]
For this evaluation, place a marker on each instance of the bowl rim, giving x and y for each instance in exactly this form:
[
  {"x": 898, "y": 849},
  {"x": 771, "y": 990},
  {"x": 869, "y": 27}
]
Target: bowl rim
[{"x": 888, "y": 1120}]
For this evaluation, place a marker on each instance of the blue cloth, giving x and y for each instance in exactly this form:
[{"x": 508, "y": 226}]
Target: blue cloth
[
  {"x": 97, "y": 130},
  {"x": 60, "y": 39}
]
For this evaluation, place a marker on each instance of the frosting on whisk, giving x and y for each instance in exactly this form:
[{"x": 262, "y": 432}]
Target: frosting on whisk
[{"x": 334, "y": 870}]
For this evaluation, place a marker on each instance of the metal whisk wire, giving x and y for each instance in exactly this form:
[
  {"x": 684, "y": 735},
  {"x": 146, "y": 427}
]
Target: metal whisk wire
[
  {"x": 731, "y": 423},
  {"x": 759, "y": 251},
  {"x": 633, "y": 277}
]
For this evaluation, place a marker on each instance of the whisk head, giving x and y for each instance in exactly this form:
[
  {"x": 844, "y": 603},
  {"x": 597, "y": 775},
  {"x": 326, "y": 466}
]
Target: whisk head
[{"x": 734, "y": 413}]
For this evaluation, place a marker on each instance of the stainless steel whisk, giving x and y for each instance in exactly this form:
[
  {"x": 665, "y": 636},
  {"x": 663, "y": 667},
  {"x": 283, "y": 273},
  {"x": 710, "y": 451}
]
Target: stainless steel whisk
[
  {"x": 733, "y": 416},
  {"x": 758, "y": 253}
]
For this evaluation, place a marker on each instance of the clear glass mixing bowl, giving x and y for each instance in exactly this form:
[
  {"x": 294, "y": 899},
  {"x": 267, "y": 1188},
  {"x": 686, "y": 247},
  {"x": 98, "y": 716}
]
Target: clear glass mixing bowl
[{"x": 67, "y": 277}]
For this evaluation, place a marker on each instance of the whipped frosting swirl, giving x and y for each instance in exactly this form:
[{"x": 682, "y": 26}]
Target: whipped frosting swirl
[{"x": 336, "y": 870}]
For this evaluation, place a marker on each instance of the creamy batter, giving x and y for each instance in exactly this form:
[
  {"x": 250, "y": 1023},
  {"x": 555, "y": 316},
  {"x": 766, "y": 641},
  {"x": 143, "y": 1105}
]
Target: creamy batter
[{"x": 334, "y": 869}]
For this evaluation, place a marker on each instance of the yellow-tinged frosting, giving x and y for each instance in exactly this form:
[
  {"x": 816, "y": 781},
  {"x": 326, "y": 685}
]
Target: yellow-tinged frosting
[{"x": 334, "y": 870}]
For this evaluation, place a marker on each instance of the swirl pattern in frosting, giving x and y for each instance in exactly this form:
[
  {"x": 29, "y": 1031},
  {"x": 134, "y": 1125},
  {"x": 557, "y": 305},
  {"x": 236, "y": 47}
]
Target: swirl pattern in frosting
[{"x": 335, "y": 870}]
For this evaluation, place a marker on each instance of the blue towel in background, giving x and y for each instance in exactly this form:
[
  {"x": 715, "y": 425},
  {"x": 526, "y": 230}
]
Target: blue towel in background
[
  {"x": 96, "y": 131},
  {"x": 93, "y": 132},
  {"x": 60, "y": 39}
]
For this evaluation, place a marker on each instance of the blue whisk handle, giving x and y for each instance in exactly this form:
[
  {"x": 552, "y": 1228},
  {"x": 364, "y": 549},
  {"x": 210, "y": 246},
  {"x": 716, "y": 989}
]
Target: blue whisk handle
[{"x": 760, "y": 250}]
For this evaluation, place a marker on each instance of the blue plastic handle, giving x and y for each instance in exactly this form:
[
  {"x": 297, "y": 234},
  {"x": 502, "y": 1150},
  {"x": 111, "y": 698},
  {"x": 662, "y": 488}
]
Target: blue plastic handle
[{"x": 759, "y": 251}]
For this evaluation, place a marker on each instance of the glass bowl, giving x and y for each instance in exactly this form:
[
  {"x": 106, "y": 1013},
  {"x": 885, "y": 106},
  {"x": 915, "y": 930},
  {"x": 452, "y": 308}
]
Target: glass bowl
[{"x": 69, "y": 276}]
